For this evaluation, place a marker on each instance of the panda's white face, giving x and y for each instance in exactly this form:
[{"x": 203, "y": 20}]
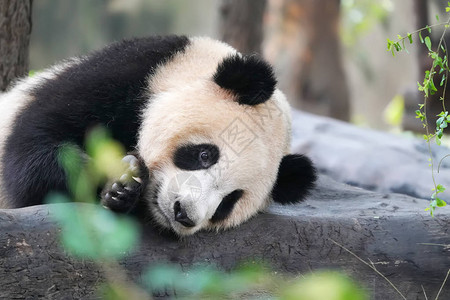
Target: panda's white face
[
  {"x": 213, "y": 163},
  {"x": 213, "y": 156},
  {"x": 189, "y": 191}
]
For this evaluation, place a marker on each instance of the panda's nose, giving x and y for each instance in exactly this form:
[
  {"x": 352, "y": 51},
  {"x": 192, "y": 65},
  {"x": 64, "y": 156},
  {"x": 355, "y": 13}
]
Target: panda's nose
[{"x": 181, "y": 216}]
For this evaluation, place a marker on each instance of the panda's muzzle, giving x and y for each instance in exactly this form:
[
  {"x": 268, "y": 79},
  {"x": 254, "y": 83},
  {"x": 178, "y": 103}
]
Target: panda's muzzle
[{"x": 181, "y": 215}]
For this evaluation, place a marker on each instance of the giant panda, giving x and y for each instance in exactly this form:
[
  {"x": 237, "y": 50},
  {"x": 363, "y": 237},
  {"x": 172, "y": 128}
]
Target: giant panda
[{"x": 207, "y": 126}]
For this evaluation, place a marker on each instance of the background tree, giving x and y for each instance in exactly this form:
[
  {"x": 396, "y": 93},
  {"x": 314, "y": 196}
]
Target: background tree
[
  {"x": 15, "y": 30},
  {"x": 303, "y": 44},
  {"x": 241, "y": 23}
]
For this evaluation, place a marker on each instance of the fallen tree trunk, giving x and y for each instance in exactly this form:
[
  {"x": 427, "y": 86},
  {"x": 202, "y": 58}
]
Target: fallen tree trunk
[{"x": 404, "y": 243}]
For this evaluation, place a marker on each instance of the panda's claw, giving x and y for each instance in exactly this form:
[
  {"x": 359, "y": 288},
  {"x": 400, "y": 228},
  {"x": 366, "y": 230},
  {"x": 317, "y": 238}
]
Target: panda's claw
[
  {"x": 116, "y": 187},
  {"x": 125, "y": 178},
  {"x": 122, "y": 195}
]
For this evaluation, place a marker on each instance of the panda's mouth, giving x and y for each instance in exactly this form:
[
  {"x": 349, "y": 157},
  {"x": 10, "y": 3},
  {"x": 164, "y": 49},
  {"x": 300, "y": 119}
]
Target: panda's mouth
[{"x": 226, "y": 206}]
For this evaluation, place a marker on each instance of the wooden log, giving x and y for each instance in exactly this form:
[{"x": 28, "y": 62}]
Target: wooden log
[{"x": 393, "y": 231}]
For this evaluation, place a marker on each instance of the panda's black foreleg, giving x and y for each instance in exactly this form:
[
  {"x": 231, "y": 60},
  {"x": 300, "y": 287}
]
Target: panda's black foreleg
[{"x": 124, "y": 194}]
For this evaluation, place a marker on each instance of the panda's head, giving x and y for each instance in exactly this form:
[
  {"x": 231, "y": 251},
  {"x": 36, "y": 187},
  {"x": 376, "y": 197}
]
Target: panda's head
[{"x": 216, "y": 138}]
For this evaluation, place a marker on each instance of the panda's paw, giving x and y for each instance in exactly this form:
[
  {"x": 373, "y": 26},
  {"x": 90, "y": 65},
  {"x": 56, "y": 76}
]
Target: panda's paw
[{"x": 123, "y": 194}]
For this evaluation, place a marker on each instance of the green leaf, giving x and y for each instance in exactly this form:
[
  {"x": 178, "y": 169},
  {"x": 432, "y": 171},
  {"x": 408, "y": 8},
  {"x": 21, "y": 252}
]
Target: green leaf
[
  {"x": 162, "y": 276},
  {"x": 428, "y": 42},
  {"x": 197, "y": 280},
  {"x": 323, "y": 285},
  {"x": 440, "y": 202},
  {"x": 106, "y": 153},
  {"x": 440, "y": 188},
  {"x": 410, "y": 38},
  {"x": 420, "y": 115},
  {"x": 437, "y": 17},
  {"x": 389, "y": 45},
  {"x": 90, "y": 231},
  {"x": 428, "y": 28},
  {"x": 420, "y": 37},
  {"x": 432, "y": 87}
]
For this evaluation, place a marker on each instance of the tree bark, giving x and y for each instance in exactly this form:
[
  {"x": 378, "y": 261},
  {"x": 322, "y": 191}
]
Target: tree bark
[
  {"x": 15, "y": 30},
  {"x": 303, "y": 44},
  {"x": 241, "y": 24}
]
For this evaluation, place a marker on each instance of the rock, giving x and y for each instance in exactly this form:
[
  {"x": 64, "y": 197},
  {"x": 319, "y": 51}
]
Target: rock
[
  {"x": 373, "y": 160},
  {"x": 391, "y": 230}
]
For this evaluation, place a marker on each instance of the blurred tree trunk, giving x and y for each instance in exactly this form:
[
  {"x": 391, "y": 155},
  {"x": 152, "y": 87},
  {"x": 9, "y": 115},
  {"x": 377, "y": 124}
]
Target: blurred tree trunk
[
  {"x": 241, "y": 24},
  {"x": 303, "y": 43},
  {"x": 15, "y": 30}
]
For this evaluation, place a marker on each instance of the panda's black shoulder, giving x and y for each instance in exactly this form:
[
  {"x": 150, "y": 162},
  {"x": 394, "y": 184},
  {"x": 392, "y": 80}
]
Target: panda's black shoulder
[
  {"x": 127, "y": 61},
  {"x": 106, "y": 85},
  {"x": 141, "y": 53}
]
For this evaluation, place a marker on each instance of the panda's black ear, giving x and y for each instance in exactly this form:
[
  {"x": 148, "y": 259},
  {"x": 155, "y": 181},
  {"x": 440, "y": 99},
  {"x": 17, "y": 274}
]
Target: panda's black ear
[
  {"x": 296, "y": 177},
  {"x": 250, "y": 78}
]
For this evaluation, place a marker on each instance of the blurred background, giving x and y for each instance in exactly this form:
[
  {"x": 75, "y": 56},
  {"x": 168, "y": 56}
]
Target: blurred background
[{"x": 330, "y": 56}]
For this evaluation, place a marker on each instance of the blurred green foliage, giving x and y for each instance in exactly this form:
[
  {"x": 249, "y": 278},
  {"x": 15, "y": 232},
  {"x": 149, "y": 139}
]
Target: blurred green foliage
[
  {"x": 252, "y": 280},
  {"x": 393, "y": 113},
  {"x": 324, "y": 285},
  {"x": 90, "y": 231},
  {"x": 360, "y": 16},
  {"x": 94, "y": 232}
]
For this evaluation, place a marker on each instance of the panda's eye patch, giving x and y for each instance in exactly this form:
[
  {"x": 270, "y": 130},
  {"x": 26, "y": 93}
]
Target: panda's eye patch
[{"x": 196, "y": 156}]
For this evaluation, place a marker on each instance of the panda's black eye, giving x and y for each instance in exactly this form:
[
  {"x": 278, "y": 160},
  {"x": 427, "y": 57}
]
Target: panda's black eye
[
  {"x": 196, "y": 157},
  {"x": 204, "y": 156}
]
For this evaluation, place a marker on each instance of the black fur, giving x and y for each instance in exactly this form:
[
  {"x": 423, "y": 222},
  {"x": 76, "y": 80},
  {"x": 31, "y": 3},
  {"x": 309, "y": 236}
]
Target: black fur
[
  {"x": 296, "y": 177},
  {"x": 188, "y": 157},
  {"x": 226, "y": 206},
  {"x": 250, "y": 78},
  {"x": 105, "y": 87}
]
